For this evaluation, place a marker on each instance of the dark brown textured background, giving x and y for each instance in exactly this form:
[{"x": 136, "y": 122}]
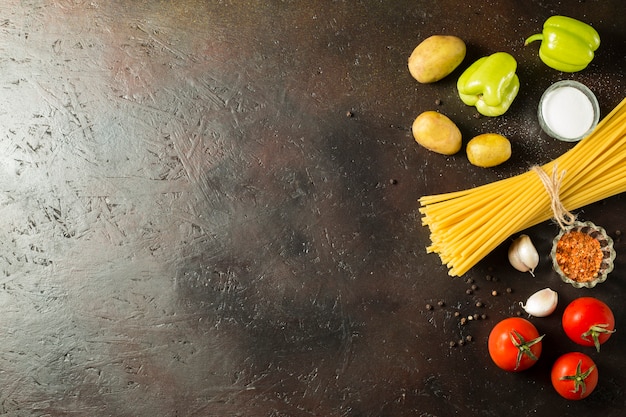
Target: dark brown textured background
[{"x": 209, "y": 208}]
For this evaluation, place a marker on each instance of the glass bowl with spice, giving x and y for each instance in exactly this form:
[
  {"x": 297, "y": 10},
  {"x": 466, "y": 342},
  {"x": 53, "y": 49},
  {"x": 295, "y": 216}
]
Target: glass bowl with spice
[{"x": 583, "y": 254}]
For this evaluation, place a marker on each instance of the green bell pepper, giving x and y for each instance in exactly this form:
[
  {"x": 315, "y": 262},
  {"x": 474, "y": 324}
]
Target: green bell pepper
[
  {"x": 567, "y": 45},
  {"x": 490, "y": 84}
]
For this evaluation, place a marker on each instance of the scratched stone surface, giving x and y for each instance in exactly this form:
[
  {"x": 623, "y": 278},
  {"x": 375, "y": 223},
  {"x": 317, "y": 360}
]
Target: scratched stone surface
[{"x": 209, "y": 208}]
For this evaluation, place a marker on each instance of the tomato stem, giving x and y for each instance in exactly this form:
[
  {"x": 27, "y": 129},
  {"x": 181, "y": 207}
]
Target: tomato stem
[
  {"x": 579, "y": 378},
  {"x": 523, "y": 346},
  {"x": 594, "y": 332}
]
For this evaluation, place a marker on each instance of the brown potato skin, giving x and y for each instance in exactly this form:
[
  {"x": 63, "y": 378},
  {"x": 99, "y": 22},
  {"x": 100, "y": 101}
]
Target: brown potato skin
[
  {"x": 488, "y": 150},
  {"x": 436, "y": 57},
  {"x": 436, "y": 132}
]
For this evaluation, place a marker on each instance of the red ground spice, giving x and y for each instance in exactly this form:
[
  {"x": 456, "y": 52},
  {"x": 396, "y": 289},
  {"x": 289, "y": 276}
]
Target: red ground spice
[{"x": 579, "y": 256}]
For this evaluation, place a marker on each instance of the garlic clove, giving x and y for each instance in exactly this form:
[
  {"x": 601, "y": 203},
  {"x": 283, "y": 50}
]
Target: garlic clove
[
  {"x": 523, "y": 255},
  {"x": 542, "y": 303}
]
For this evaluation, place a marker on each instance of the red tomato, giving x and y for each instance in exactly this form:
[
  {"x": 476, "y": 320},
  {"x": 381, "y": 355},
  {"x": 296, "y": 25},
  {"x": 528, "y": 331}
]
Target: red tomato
[
  {"x": 514, "y": 344},
  {"x": 574, "y": 375},
  {"x": 588, "y": 321}
]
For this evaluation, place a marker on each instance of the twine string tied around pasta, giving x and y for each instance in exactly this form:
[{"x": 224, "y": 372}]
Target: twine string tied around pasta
[{"x": 553, "y": 186}]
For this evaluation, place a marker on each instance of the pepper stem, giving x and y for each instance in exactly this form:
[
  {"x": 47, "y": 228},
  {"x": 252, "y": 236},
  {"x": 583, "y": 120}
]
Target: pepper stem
[
  {"x": 523, "y": 347},
  {"x": 533, "y": 38},
  {"x": 594, "y": 332}
]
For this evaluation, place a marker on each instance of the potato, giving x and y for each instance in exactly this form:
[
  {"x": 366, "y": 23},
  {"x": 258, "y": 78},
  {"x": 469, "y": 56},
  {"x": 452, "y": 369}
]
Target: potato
[
  {"x": 437, "y": 132},
  {"x": 488, "y": 150},
  {"x": 436, "y": 57}
]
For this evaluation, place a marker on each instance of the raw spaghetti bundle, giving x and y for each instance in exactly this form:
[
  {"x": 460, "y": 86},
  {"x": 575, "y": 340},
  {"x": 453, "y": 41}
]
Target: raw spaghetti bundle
[{"x": 467, "y": 225}]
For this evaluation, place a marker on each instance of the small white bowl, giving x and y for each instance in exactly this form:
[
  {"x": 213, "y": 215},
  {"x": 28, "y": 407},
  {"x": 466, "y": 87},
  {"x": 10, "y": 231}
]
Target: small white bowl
[{"x": 568, "y": 111}]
